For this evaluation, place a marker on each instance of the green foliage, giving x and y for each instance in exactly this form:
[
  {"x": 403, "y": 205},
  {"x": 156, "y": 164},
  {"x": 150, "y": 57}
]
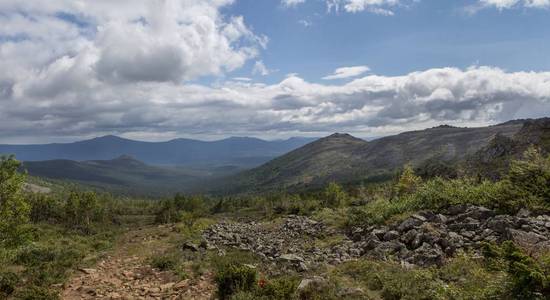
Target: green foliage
[
  {"x": 8, "y": 282},
  {"x": 37, "y": 293},
  {"x": 45, "y": 208},
  {"x": 530, "y": 278},
  {"x": 234, "y": 278},
  {"x": 14, "y": 210},
  {"x": 334, "y": 195},
  {"x": 527, "y": 183},
  {"x": 407, "y": 182},
  {"x": 181, "y": 208}
]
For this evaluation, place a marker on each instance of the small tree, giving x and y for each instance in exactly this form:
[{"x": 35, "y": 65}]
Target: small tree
[
  {"x": 408, "y": 182},
  {"x": 334, "y": 195},
  {"x": 14, "y": 210}
]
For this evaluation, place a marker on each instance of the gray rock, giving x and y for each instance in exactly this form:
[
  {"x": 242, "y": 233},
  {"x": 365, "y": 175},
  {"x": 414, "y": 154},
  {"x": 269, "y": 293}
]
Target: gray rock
[{"x": 391, "y": 235}]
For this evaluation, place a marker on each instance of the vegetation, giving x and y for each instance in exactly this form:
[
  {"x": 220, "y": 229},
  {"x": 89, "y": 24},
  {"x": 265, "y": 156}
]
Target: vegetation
[{"x": 44, "y": 236}]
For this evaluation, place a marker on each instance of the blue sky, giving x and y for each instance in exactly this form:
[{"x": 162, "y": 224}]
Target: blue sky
[
  {"x": 209, "y": 69},
  {"x": 424, "y": 35}
]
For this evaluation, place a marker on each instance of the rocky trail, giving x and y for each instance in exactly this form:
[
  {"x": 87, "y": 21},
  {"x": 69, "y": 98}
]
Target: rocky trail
[{"x": 125, "y": 273}]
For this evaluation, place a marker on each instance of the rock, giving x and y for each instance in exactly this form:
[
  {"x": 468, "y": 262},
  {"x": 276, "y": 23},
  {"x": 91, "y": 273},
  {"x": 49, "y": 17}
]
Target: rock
[
  {"x": 190, "y": 246},
  {"x": 293, "y": 258},
  {"x": 88, "y": 271},
  {"x": 409, "y": 224},
  {"x": 314, "y": 282},
  {"x": 391, "y": 235},
  {"x": 523, "y": 213},
  {"x": 525, "y": 239},
  {"x": 408, "y": 237}
]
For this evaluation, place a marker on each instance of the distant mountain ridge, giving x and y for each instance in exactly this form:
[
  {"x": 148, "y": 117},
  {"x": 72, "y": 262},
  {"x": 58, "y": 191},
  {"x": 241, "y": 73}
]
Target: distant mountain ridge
[
  {"x": 124, "y": 175},
  {"x": 344, "y": 158},
  {"x": 239, "y": 151}
]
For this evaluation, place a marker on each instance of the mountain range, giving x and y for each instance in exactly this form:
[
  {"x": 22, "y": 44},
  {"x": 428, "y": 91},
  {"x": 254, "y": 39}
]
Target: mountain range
[
  {"x": 229, "y": 166},
  {"x": 237, "y": 151},
  {"x": 344, "y": 158}
]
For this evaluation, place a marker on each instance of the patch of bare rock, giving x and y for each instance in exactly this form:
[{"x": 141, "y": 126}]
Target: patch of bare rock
[{"x": 424, "y": 239}]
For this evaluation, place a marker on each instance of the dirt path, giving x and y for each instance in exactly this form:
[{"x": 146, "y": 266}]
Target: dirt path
[{"x": 125, "y": 273}]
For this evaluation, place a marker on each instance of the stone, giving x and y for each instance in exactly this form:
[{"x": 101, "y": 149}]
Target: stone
[
  {"x": 190, "y": 246},
  {"x": 408, "y": 237},
  {"x": 88, "y": 271},
  {"x": 308, "y": 283},
  {"x": 293, "y": 258},
  {"x": 391, "y": 235},
  {"x": 409, "y": 224}
]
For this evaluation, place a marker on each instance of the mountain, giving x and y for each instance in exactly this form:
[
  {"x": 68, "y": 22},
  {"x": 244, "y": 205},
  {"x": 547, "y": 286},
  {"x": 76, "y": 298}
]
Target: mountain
[
  {"x": 493, "y": 160},
  {"x": 123, "y": 175},
  {"x": 344, "y": 158},
  {"x": 238, "y": 151}
]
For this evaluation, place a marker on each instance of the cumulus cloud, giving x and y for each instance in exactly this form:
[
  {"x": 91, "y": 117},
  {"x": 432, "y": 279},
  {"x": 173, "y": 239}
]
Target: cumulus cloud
[
  {"x": 372, "y": 105},
  {"x": 123, "y": 41},
  {"x": 347, "y": 72},
  {"x": 72, "y": 69}
]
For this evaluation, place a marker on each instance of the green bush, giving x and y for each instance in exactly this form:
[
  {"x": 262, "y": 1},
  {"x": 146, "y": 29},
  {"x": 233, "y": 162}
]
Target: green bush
[
  {"x": 407, "y": 183},
  {"x": 234, "y": 278},
  {"x": 334, "y": 195},
  {"x": 530, "y": 278},
  {"x": 8, "y": 282},
  {"x": 164, "y": 262}
]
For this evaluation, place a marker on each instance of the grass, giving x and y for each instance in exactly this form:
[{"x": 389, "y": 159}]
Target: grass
[{"x": 41, "y": 267}]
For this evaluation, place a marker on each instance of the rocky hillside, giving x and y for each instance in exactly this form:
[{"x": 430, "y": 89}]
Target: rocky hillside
[
  {"x": 344, "y": 158},
  {"x": 427, "y": 238},
  {"x": 493, "y": 160}
]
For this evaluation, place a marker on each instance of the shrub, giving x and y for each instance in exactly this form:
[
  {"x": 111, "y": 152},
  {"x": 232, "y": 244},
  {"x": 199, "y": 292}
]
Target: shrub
[
  {"x": 37, "y": 293},
  {"x": 334, "y": 195},
  {"x": 530, "y": 278},
  {"x": 234, "y": 278},
  {"x": 407, "y": 182},
  {"x": 8, "y": 282},
  {"x": 164, "y": 262}
]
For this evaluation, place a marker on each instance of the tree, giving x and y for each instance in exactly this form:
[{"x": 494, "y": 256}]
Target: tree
[
  {"x": 14, "y": 210},
  {"x": 334, "y": 195},
  {"x": 408, "y": 182}
]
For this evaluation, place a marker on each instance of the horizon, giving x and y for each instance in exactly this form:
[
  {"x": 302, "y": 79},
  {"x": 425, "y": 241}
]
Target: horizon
[
  {"x": 368, "y": 138},
  {"x": 268, "y": 69}
]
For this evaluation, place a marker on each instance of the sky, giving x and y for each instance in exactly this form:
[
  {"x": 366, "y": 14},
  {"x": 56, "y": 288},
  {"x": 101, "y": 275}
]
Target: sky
[{"x": 208, "y": 69}]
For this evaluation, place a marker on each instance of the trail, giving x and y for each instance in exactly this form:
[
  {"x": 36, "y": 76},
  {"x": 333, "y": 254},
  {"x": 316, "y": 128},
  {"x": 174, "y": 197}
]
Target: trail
[{"x": 124, "y": 273}]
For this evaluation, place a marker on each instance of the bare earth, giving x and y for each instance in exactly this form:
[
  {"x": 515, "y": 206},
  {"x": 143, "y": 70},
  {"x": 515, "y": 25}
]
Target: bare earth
[{"x": 125, "y": 273}]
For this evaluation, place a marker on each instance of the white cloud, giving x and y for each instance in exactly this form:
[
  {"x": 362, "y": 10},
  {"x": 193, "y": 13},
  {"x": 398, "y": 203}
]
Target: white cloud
[
  {"x": 124, "y": 41},
  {"x": 261, "y": 69},
  {"x": 292, "y": 3},
  {"x": 372, "y": 105},
  {"x": 347, "y": 72},
  {"x": 508, "y": 4},
  {"x": 382, "y": 7}
]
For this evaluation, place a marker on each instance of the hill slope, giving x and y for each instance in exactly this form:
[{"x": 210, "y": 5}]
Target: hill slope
[
  {"x": 244, "y": 152},
  {"x": 343, "y": 158},
  {"x": 124, "y": 175}
]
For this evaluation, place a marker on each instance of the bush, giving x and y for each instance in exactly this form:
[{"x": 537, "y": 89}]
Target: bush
[
  {"x": 334, "y": 195},
  {"x": 407, "y": 183},
  {"x": 36, "y": 293},
  {"x": 8, "y": 282},
  {"x": 530, "y": 278},
  {"x": 235, "y": 278},
  {"x": 164, "y": 262}
]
